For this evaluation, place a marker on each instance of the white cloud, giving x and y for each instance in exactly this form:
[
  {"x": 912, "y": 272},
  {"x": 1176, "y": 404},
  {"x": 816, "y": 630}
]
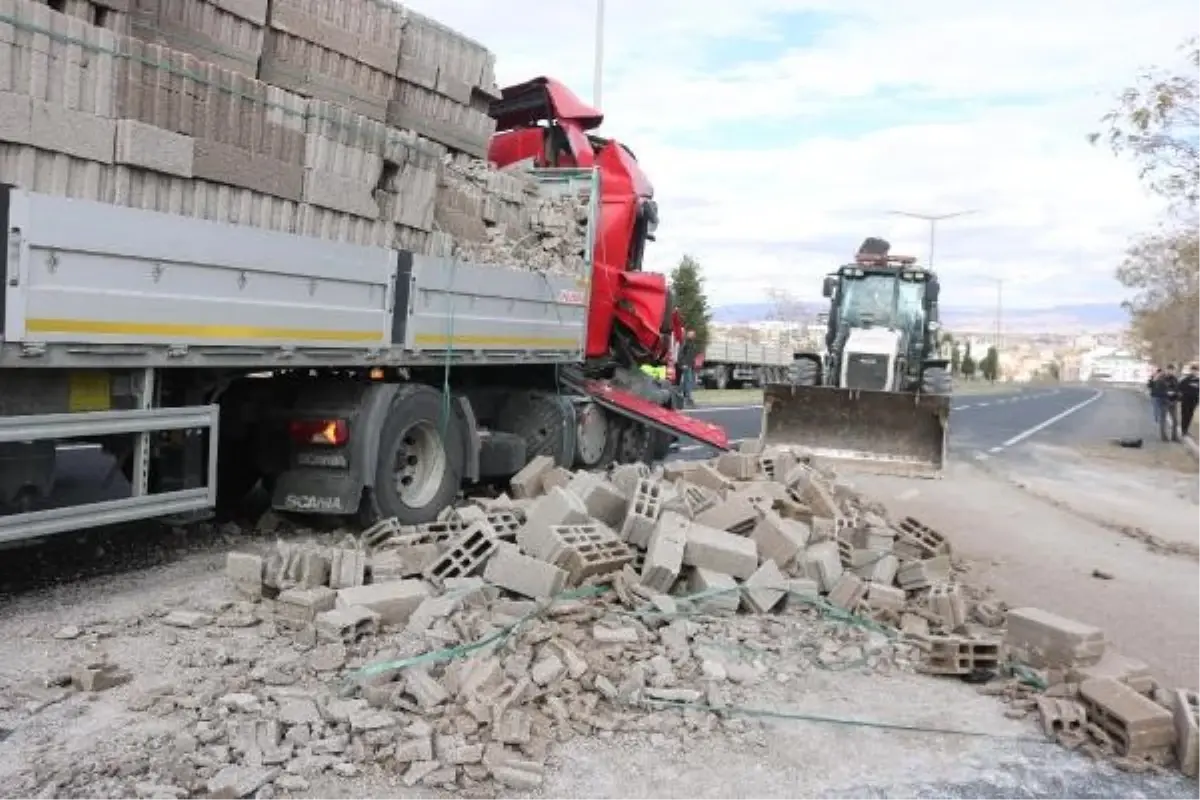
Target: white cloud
[{"x": 1022, "y": 83}]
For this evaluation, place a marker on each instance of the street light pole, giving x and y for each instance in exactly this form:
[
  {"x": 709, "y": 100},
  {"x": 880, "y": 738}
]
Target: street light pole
[
  {"x": 598, "y": 55},
  {"x": 933, "y": 220}
]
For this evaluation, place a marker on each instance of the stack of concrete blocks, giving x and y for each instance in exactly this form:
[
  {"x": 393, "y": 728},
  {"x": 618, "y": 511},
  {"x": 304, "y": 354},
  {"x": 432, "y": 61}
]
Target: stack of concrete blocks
[{"x": 162, "y": 105}]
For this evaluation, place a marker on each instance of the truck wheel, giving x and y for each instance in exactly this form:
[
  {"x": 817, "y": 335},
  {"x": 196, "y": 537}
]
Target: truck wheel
[
  {"x": 807, "y": 373},
  {"x": 721, "y": 377},
  {"x": 545, "y": 421},
  {"x": 420, "y": 465},
  {"x": 596, "y": 436},
  {"x": 635, "y": 444},
  {"x": 936, "y": 380}
]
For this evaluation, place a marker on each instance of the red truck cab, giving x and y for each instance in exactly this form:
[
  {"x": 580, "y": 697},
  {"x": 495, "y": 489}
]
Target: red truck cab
[{"x": 630, "y": 318}]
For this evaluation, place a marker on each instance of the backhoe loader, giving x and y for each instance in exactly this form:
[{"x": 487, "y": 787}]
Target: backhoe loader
[{"x": 879, "y": 395}]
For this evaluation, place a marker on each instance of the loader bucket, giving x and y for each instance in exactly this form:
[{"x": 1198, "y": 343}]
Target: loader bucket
[{"x": 897, "y": 433}]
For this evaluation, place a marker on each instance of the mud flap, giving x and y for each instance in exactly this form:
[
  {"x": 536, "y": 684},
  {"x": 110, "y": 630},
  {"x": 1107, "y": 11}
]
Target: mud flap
[{"x": 890, "y": 432}]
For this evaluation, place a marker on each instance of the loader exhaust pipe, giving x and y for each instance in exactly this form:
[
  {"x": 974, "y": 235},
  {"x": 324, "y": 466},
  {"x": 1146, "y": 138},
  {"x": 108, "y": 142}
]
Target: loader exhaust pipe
[{"x": 895, "y": 433}]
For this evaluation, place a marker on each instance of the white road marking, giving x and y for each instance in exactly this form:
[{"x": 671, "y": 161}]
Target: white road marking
[
  {"x": 1020, "y": 437},
  {"x": 959, "y": 408},
  {"x": 62, "y": 448},
  {"x": 707, "y": 409}
]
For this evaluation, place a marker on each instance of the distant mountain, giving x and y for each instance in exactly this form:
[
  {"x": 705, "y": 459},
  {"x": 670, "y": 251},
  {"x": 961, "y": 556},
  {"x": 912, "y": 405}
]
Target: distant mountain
[{"x": 1072, "y": 317}]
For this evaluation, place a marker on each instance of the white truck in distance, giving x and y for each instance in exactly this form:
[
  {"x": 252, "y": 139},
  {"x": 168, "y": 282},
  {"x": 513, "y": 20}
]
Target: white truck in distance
[{"x": 731, "y": 363}]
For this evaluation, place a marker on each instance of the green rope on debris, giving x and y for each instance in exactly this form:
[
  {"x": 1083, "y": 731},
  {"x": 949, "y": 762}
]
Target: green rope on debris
[{"x": 746, "y": 711}]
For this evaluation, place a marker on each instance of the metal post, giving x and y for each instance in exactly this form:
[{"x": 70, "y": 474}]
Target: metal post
[
  {"x": 141, "y": 449},
  {"x": 933, "y": 220},
  {"x": 932, "y": 239},
  {"x": 598, "y": 56}
]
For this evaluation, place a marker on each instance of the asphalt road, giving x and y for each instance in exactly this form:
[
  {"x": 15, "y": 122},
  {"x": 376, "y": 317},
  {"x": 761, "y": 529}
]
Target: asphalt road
[{"x": 981, "y": 425}]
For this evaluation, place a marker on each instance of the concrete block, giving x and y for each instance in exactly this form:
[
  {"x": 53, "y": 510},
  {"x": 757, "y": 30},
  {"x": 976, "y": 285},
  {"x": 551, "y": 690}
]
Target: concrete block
[
  {"x": 848, "y": 592},
  {"x": 918, "y": 541},
  {"x": 74, "y": 133},
  {"x": 826, "y": 567},
  {"x": 559, "y": 477},
  {"x": 1186, "y": 713},
  {"x": 605, "y": 502},
  {"x": 556, "y": 507},
  {"x": 464, "y": 555},
  {"x": 510, "y": 569},
  {"x": 735, "y": 515},
  {"x": 301, "y": 606},
  {"x": 1044, "y": 640},
  {"x": 347, "y": 625},
  {"x": 824, "y": 529},
  {"x": 914, "y": 575},
  {"x": 674, "y": 470},
  {"x": 720, "y": 551},
  {"x": 528, "y": 482},
  {"x": 141, "y": 145},
  {"x": 394, "y": 601},
  {"x": 226, "y": 164},
  {"x": 314, "y": 570},
  {"x": 641, "y": 514},
  {"x": 425, "y": 689},
  {"x": 1129, "y": 671},
  {"x": 960, "y": 655},
  {"x": 339, "y": 193},
  {"x": 590, "y": 550},
  {"x": 946, "y": 604},
  {"x": 878, "y": 566},
  {"x": 883, "y": 597},
  {"x": 505, "y": 524},
  {"x": 347, "y": 568},
  {"x": 707, "y": 476},
  {"x": 664, "y": 555},
  {"x": 914, "y": 625},
  {"x": 713, "y": 592},
  {"x": 99, "y": 678},
  {"x": 739, "y": 466},
  {"x": 819, "y": 497},
  {"x": 779, "y": 539},
  {"x": 696, "y": 499},
  {"x": 1060, "y": 715},
  {"x": 1139, "y": 727},
  {"x": 627, "y": 476},
  {"x": 765, "y": 589}
]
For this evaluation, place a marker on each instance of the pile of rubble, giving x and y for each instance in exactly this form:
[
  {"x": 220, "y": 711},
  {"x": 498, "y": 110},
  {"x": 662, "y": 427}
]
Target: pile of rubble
[{"x": 451, "y": 654}]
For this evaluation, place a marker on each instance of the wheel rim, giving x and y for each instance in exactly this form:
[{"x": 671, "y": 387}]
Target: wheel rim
[
  {"x": 420, "y": 464},
  {"x": 592, "y": 434}
]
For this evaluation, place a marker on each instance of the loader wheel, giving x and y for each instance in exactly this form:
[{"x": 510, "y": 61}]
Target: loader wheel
[
  {"x": 420, "y": 463},
  {"x": 807, "y": 373},
  {"x": 936, "y": 380}
]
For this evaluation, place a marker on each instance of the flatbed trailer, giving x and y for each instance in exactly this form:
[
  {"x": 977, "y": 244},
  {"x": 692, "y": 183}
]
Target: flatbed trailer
[
  {"x": 733, "y": 363},
  {"x": 352, "y": 381}
]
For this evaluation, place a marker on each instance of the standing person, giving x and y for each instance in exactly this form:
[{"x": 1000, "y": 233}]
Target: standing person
[
  {"x": 687, "y": 367},
  {"x": 1164, "y": 393},
  {"x": 1189, "y": 395}
]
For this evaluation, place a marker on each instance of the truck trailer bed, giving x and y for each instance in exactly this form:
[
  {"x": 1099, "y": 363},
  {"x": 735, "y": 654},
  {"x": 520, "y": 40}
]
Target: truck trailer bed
[{"x": 89, "y": 284}]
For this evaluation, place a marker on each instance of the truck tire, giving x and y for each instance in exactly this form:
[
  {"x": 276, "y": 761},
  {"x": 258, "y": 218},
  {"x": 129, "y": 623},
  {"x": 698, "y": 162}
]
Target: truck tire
[
  {"x": 721, "y": 377},
  {"x": 636, "y": 443},
  {"x": 936, "y": 380},
  {"x": 420, "y": 464},
  {"x": 807, "y": 373},
  {"x": 545, "y": 421},
  {"x": 597, "y": 435}
]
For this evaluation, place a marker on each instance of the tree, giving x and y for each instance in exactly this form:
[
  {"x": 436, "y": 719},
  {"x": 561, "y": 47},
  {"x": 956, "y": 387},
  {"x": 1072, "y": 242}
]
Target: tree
[
  {"x": 687, "y": 283},
  {"x": 968, "y": 364},
  {"x": 1155, "y": 122},
  {"x": 1163, "y": 269},
  {"x": 989, "y": 367},
  {"x": 1053, "y": 370}
]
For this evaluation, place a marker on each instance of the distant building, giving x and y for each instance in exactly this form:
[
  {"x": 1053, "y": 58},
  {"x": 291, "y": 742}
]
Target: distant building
[{"x": 1114, "y": 366}]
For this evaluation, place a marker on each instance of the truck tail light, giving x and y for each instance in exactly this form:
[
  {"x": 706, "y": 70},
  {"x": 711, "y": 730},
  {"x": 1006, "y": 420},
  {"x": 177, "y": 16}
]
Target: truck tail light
[{"x": 333, "y": 432}]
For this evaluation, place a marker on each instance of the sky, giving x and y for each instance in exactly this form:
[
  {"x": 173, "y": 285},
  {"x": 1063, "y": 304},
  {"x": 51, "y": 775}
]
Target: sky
[{"x": 780, "y": 133}]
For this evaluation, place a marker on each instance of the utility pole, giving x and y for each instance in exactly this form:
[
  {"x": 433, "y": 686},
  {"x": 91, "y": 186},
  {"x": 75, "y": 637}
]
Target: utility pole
[
  {"x": 933, "y": 220},
  {"x": 999, "y": 314},
  {"x": 598, "y": 56}
]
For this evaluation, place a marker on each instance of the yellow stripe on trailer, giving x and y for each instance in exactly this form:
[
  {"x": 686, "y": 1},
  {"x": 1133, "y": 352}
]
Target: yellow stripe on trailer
[
  {"x": 468, "y": 340},
  {"x": 194, "y": 331}
]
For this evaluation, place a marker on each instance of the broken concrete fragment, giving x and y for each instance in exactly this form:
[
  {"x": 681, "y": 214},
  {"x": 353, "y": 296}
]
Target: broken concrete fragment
[
  {"x": 425, "y": 689},
  {"x": 877, "y": 566},
  {"x": 779, "y": 539},
  {"x": 720, "y": 551},
  {"x": 187, "y": 619},
  {"x": 826, "y": 566},
  {"x": 1186, "y": 713},
  {"x": 946, "y": 605},
  {"x": 884, "y": 598},
  {"x": 410, "y": 750},
  {"x": 848, "y": 592},
  {"x": 664, "y": 556},
  {"x": 301, "y": 606},
  {"x": 607, "y": 635},
  {"x": 914, "y": 575},
  {"x": 736, "y": 515},
  {"x": 99, "y": 678},
  {"x": 515, "y": 778},
  {"x": 1119, "y": 667},
  {"x": 547, "y": 670},
  {"x": 740, "y": 466},
  {"x": 245, "y": 572},
  {"x": 233, "y": 782},
  {"x": 347, "y": 625}
]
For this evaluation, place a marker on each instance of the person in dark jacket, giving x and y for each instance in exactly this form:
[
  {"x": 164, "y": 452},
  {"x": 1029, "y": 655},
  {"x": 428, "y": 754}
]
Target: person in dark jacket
[
  {"x": 687, "y": 367},
  {"x": 1164, "y": 393},
  {"x": 1189, "y": 395}
]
